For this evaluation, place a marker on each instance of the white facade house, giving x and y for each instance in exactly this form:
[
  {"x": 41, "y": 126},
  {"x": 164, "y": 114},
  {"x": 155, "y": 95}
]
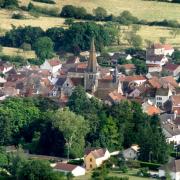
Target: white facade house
[
  {"x": 162, "y": 95},
  {"x": 161, "y": 49},
  {"x": 156, "y": 60},
  {"x": 173, "y": 167},
  {"x": 70, "y": 168},
  {"x": 53, "y": 65}
]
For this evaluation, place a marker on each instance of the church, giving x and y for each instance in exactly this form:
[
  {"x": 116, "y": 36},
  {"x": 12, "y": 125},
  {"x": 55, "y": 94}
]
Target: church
[{"x": 96, "y": 80}]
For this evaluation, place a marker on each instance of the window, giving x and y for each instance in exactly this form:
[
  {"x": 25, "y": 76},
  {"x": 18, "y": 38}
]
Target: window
[
  {"x": 90, "y": 159},
  {"x": 90, "y": 76},
  {"x": 159, "y": 98},
  {"x": 90, "y": 166}
]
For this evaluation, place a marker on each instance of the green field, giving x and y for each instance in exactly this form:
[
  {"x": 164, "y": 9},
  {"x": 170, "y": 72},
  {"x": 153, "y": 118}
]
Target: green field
[{"x": 130, "y": 174}]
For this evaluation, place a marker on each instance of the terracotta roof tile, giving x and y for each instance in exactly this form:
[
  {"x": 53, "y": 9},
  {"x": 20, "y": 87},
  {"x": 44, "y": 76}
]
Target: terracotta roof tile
[
  {"x": 171, "y": 67},
  {"x": 132, "y": 78},
  {"x": 65, "y": 167},
  {"x": 128, "y": 66}
]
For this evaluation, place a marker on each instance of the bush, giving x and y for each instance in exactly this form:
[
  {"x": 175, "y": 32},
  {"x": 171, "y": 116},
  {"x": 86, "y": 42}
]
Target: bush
[
  {"x": 73, "y": 12},
  {"x": 46, "y": 1},
  {"x": 48, "y": 11},
  {"x": 26, "y": 46},
  {"x": 18, "y": 16},
  {"x": 151, "y": 166},
  {"x": 76, "y": 162},
  {"x": 143, "y": 172}
]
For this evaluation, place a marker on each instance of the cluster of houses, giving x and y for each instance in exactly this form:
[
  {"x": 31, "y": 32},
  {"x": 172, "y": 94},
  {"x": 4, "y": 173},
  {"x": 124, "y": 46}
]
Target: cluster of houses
[{"x": 57, "y": 79}]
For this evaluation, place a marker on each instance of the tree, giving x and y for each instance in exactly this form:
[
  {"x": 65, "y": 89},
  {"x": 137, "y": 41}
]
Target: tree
[
  {"x": 100, "y": 13},
  {"x": 134, "y": 40},
  {"x": 9, "y": 3},
  {"x": 57, "y": 36},
  {"x": 1, "y": 48},
  {"x": 78, "y": 101},
  {"x": 74, "y": 129},
  {"x": 176, "y": 57},
  {"x": 44, "y": 47},
  {"x": 109, "y": 135},
  {"x": 100, "y": 173},
  {"x": 162, "y": 40},
  {"x": 38, "y": 169},
  {"x": 174, "y": 32}
]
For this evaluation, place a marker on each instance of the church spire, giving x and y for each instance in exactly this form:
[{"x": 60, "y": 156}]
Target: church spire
[{"x": 92, "y": 62}]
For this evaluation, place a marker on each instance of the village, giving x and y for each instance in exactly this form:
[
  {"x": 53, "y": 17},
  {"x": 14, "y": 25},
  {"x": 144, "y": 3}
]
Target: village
[{"x": 56, "y": 79}]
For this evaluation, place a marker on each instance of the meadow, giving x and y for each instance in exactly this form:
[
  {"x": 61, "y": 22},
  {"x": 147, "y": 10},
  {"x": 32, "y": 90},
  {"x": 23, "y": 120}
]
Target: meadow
[{"x": 148, "y": 10}]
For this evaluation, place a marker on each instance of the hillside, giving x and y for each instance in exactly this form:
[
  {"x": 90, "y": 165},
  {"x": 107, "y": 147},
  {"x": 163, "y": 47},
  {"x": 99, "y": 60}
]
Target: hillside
[{"x": 149, "y": 10}]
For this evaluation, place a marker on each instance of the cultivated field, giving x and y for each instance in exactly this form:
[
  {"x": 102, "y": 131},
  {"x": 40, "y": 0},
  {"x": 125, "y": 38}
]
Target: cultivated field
[
  {"x": 6, "y": 21},
  {"x": 15, "y": 51},
  {"x": 149, "y": 10}
]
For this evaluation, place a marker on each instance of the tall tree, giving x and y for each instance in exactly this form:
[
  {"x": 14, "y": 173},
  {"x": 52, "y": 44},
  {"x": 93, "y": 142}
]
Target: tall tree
[
  {"x": 44, "y": 47},
  {"x": 100, "y": 13},
  {"x": 74, "y": 129}
]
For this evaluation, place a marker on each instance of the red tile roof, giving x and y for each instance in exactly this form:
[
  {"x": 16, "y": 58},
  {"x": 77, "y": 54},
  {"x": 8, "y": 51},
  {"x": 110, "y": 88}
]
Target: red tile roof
[
  {"x": 65, "y": 167},
  {"x": 167, "y": 47},
  {"x": 128, "y": 66},
  {"x": 169, "y": 80},
  {"x": 171, "y": 67},
  {"x": 132, "y": 78},
  {"x": 115, "y": 96}
]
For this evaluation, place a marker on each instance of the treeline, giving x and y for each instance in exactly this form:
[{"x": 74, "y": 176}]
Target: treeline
[
  {"x": 74, "y": 39},
  {"x": 169, "y": 1},
  {"x": 100, "y": 14},
  {"x": 40, "y": 126}
]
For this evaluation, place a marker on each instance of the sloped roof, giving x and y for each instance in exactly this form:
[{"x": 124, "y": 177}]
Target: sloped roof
[
  {"x": 132, "y": 78},
  {"x": 97, "y": 153},
  {"x": 128, "y": 66},
  {"x": 171, "y": 67},
  {"x": 162, "y": 92},
  {"x": 115, "y": 96},
  {"x": 65, "y": 167}
]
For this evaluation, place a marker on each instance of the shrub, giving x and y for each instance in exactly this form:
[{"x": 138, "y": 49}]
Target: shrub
[
  {"x": 151, "y": 166},
  {"x": 18, "y": 16},
  {"x": 26, "y": 46},
  {"x": 143, "y": 172},
  {"x": 46, "y": 1},
  {"x": 48, "y": 11}
]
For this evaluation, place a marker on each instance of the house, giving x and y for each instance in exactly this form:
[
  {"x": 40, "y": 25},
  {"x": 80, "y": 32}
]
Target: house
[
  {"x": 172, "y": 70},
  {"x": 136, "y": 79},
  {"x": 173, "y": 167},
  {"x": 150, "y": 109},
  {"x": 131, "y": 153},
  {"x": 175, "y": 100},
  {"x": 171, "y": 127},
  {"x": 162, "y": 96},
  {"x": 116, "y": 97},
  {"x": 53, "y": 65},
  {"x": 129, "y": 68},
  {"x": 160, "y": 49},
  {"x": 69, "y": 168},
  {"x": 154, "y": 68},
  {"x": 156, "y": 60},
  {"x": 94, "y": 158},
  {"x": 5, "y": 67}
]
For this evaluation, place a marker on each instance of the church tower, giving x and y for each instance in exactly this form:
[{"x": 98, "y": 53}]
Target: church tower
[
  {"x": 92, "y": 63},
  {"x": 91, "y": 74}
]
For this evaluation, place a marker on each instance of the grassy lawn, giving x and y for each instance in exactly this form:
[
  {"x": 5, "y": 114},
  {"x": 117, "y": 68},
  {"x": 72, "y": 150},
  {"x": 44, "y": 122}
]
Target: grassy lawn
[
  {"x": 149, "y": 10},
  {"x": 15, "y": 51},
  {"x": 130, "y": 174}
]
